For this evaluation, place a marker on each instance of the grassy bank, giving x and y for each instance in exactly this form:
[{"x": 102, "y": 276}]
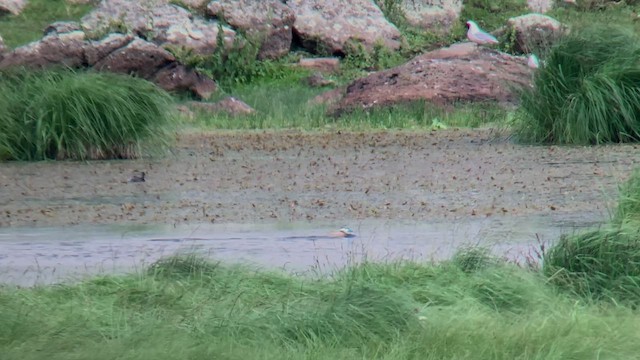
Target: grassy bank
[
  {"x": 201, "y": 310},
  {"x": 282, "y": 105},
  {"x": 30, "y": 24}
]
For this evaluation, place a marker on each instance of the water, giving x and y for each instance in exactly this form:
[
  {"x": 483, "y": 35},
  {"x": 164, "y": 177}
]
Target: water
[{"x": 37, "y": 256}]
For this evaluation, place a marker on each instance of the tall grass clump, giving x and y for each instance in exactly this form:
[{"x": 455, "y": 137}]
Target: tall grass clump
[
  {"x": 602, "y": 264},
  {"x": 587, "y": 92},
  {"x": 78, "y": 115}
]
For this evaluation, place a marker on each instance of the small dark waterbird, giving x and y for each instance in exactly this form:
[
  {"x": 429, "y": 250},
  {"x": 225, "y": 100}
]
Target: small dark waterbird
[{"x": 137, "y": 178}]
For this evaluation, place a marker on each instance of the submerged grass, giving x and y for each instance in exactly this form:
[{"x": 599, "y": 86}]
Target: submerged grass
[
  {"x": 77, "y": 115},
  {"x": 375, "y": 311}
]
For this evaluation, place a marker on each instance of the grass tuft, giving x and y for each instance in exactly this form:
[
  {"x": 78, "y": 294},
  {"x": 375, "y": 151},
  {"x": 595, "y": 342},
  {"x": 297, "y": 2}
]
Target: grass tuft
[
  {"x": 628, "y": 209},
  {"x": 587, "y": 92},
  {"x": 599, "y": 265},
  {"x": 473, "y": 258},
  {"x": 182, "y": 267},
  {"x": 77, "y": 115}
]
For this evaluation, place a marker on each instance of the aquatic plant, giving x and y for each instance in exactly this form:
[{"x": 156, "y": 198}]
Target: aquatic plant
[
  {"x": 79, "y": 115},
  {"x": 587, "y": 91}
]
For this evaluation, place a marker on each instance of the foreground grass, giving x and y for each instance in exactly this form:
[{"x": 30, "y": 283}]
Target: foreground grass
[
  {"x": 202, "y": 310},
  {"x": 29, "y": 25}
]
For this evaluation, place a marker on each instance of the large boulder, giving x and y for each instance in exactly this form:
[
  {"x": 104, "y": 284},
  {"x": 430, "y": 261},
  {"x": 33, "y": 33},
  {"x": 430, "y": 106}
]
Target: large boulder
[
  {"x": 97, "y": 50},
  {"x": 176, "y": 77},
  {"x": 268, "y": 21},
  {"x": 118, "y": 53},
  {"x": 158, "y": 21},
  {"x": 434, "y": 16},
  {"x": 13, "y": 7},
  {"x": 460, "y": 73},
  {"x": 139, "y": 57},
  {"x": 329, "y": 26},
  {"x": 534, "y": 31},
  {"x": 54, "y": 49}
]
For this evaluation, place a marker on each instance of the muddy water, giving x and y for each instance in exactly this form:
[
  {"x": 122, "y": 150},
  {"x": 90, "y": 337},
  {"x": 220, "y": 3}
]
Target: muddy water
[
  {"x": 416, "y": 194},
  {"x": 50, "y": 255}
]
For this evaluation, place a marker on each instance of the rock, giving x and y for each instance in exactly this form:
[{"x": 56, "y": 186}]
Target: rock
[
  {"x": 3, "y": 48},
  {"x": 99, "y": 49},
  {"x": 79, "y": 2},
  {"x": 540, "y": 6},
  {"x": 185, "y": 112},
  {"x": 329, "y": 98},
  {"x": 139, "y": 57},
  {"x": 62, "y": 27},
  {"x": 534, "y": 31},
  {"x": 13, "y": 7},
  {"x": 269, "y": 21},
  {"x": 193, "y": 4},
  {"x": 228, "y": 105},
  {"x": 118, "y": 53},
  {"x": 460, "y": 73},
  {"x": 55, "y": 49},
  {"x": 434, "y": 16},
  {"x": 176, "y": 77},
  {"x": 318, "y": 80},
  {"x": 157, "y": 21},
  {"x": 325, "y": 65},
  {"x": 328, "y": 26}
]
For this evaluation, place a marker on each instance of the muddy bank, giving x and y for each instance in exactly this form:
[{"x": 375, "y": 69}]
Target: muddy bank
[{"x": 267, "y": 177}]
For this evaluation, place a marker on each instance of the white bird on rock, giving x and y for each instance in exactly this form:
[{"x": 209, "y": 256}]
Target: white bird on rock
[{"x": 475, "y": 34}]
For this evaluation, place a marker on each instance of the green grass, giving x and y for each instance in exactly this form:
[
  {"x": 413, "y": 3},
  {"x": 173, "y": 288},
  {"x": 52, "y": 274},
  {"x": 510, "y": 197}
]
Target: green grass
[
  {"x": 602, "y": 264},
  {"x": 628, "y": 209},
  {"x": 29, "y": 25},
  {"x": 284, "y": 105},
  {"x": 406, "y": 310},
  {"x": 587, "y": 93},
  {"x": 78, "y": 115},
  {"x": 491, "y": 14}
]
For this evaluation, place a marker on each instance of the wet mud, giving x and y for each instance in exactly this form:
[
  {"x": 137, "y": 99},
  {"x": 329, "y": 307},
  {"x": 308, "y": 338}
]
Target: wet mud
[
  {"x": 292, "y": 176},
  {"x": 273, "y": 197}
]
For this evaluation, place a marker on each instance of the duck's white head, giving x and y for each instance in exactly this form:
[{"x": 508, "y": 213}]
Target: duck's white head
[
  {"x": 347, "y": 231},
  {"x": 472, "y": 26}
]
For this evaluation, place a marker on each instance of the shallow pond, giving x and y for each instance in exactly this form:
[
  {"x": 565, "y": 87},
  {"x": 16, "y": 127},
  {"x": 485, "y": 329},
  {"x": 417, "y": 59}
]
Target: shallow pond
[{"x": 30, "y": 256}]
